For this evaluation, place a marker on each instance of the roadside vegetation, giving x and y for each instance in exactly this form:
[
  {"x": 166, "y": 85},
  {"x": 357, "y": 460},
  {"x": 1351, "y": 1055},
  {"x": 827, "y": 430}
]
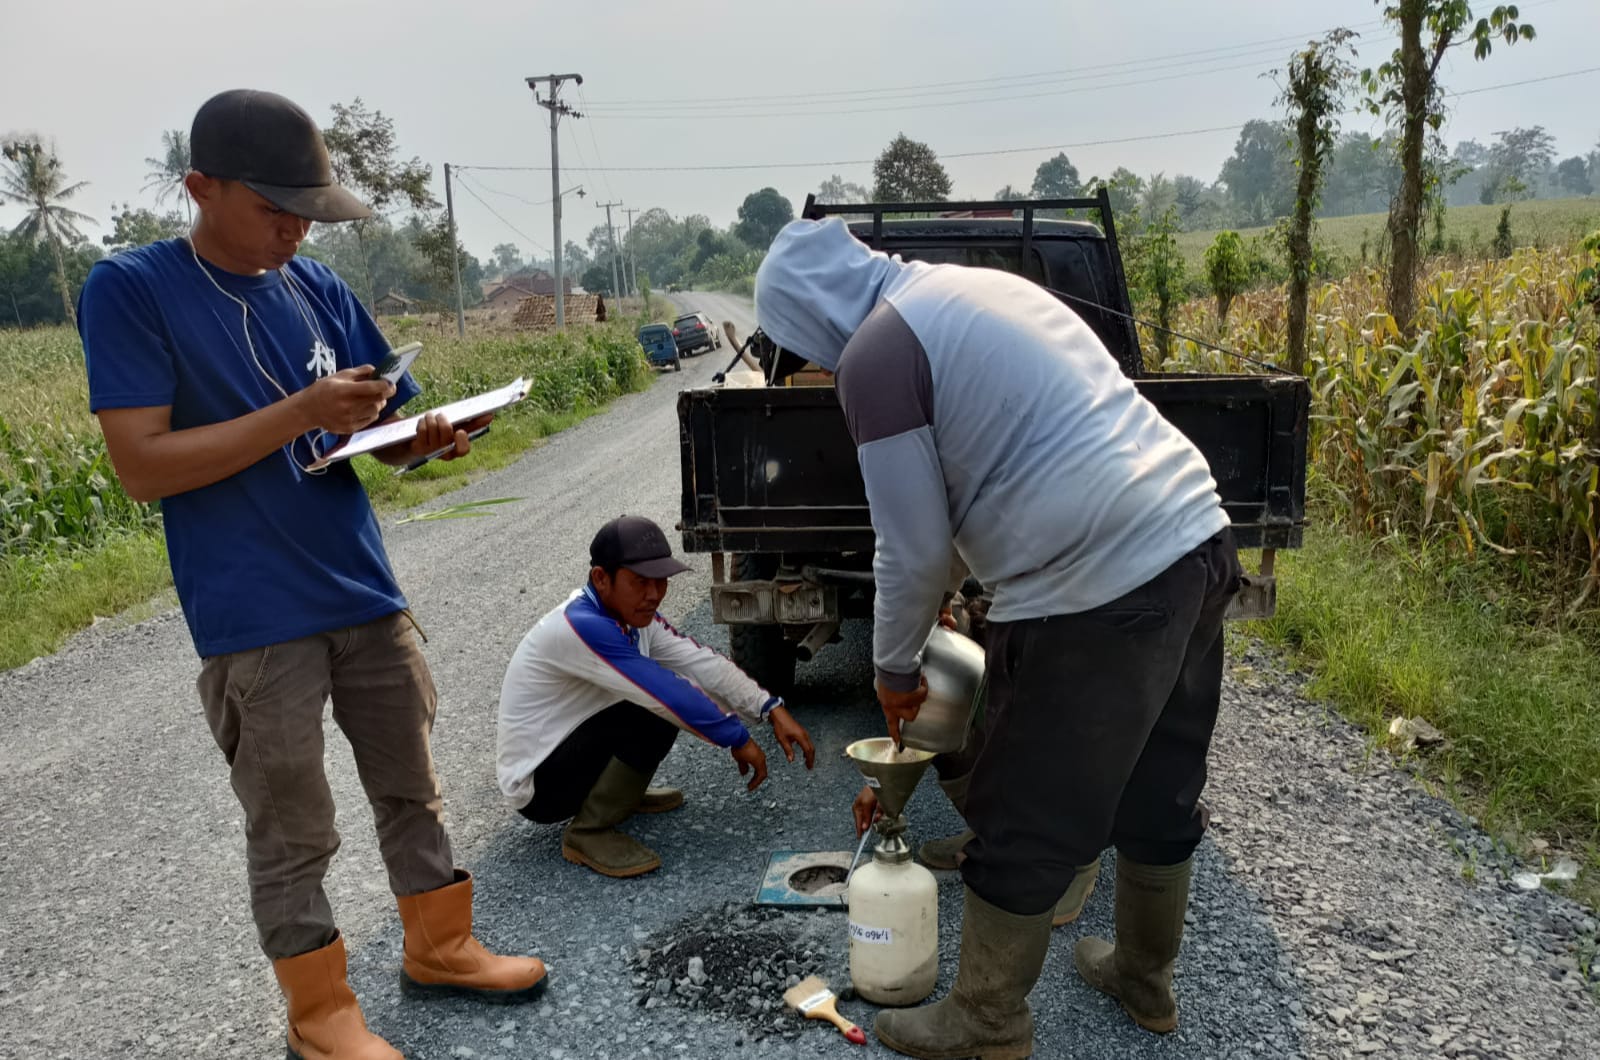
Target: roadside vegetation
[
  {"x": 74, "y": 547},
  {"x": 1453, "y": 568}
]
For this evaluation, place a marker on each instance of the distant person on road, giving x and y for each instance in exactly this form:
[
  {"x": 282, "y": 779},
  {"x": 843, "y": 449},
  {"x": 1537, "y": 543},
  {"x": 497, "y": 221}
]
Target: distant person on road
[
  {"x": 596, "y": 693},
  {"x": 996, "y": 433},
  {"x": 220, "y": 366}
]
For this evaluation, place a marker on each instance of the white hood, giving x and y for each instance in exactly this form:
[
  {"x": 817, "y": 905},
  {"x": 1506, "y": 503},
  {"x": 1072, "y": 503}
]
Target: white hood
[{"x": 816, "y": 285}]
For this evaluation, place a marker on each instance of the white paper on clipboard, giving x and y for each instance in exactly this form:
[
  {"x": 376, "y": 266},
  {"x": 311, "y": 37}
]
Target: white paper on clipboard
[{"x": 404, "y": 430}]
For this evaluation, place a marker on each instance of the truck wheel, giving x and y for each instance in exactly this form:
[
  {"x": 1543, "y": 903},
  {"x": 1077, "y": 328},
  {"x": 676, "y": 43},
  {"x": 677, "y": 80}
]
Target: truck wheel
[{"x": 761, "y": 651}]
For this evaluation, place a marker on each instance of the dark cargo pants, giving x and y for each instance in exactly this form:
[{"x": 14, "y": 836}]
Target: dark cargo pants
[
  {"x": 1096, "y": 730},
  {"x": 625, "y": 731},
  {"x": 265, "y": 706}
]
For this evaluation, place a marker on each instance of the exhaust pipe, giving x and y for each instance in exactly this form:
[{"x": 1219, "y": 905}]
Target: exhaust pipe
[{"x": 813, "y": 642}]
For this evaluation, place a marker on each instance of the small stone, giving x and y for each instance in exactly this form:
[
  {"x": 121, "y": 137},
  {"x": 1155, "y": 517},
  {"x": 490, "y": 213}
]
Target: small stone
[{"x": 663, "y": 987}]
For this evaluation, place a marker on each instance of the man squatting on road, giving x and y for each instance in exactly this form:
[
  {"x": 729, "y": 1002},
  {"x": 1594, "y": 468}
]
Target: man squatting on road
[
  {"x": 995, "y": 432},
  {"x": 596, "y": 694},
  {"x": 219, "y": 365}
]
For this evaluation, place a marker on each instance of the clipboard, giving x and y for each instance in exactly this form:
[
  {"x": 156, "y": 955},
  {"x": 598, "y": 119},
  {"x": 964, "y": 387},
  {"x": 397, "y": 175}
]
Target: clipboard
[{"x": 387, "y": 434}]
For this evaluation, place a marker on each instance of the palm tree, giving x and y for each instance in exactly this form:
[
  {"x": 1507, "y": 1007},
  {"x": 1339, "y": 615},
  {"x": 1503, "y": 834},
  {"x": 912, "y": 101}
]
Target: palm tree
[
  {"x": 36, "y": 180},
  {"x": 167, "y": 172}
]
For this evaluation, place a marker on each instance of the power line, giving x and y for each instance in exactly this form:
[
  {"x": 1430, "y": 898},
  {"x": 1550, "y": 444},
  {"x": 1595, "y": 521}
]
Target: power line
[
  {"x": 583, "y": 99},
  {"x": 1529, "y": 81},
  {"x": 868, "y": 161},
  {"x": 996, "y": 151},
  {"x": 1009, "y": 81},
  {"x": 467, "y": 187},
  {"x": 482, "y": 186},
  {"x": 941, "y": 104},
  {"x": 922, "y": 88}
]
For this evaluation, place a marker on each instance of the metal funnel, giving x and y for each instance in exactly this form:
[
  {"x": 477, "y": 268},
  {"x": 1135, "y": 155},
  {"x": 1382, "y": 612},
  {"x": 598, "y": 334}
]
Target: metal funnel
[{"x": 892, "y": 774}]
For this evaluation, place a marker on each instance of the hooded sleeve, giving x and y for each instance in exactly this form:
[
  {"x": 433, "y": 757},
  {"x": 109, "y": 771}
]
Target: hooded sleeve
[{"x": 885, "y": 387}]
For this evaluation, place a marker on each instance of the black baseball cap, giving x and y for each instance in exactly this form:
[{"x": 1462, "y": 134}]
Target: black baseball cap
[
  {"x": 271, "y": 146},
  {"x": 634, "y": 542}
]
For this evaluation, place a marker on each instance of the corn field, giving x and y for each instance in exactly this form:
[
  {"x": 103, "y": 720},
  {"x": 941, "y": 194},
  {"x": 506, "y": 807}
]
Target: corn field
[
  {"x": 58, "y": 490},
  {"x": 1483, "y": 432},
  {"x": 57, "y": 486}
]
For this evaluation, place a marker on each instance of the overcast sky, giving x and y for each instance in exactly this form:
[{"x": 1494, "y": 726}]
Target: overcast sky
[{"x": 670, "y": 83}]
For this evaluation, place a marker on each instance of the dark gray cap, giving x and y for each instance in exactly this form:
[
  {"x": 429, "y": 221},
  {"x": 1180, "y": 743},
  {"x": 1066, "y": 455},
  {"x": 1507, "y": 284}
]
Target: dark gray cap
[
  {"x": 271, "y": 146},
  {"x": 634, "y": 542}
]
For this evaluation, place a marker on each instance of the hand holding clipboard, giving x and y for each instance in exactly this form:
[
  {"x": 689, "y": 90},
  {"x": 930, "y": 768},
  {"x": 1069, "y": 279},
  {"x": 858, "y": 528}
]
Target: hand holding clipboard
[{"x": 399, "y": 431}]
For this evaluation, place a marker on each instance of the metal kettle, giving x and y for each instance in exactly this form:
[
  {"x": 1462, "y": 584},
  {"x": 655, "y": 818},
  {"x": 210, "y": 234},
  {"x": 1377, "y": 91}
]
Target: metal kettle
[{"x": 954, "y": 668}]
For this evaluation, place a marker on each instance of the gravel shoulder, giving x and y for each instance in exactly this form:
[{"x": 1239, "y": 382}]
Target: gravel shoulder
[{"x": 1338, "y": 909}]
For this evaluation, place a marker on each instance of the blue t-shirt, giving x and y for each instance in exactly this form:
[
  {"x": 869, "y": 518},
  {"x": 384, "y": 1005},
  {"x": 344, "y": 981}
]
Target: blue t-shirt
[{"x": 269, "y": 554}]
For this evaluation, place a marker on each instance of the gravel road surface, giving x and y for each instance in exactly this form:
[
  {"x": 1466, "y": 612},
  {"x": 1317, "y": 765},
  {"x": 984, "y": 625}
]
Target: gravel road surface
[{"x": 1338, "y": 910}]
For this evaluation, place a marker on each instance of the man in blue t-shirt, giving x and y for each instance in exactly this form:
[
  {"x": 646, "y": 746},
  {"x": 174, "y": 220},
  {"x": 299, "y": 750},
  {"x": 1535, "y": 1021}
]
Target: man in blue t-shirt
[{"x": 221, "y": 367}]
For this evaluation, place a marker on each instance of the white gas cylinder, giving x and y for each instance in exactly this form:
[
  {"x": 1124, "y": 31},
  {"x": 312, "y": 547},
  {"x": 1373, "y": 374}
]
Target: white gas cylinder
[{"x": 894, "y": 929}]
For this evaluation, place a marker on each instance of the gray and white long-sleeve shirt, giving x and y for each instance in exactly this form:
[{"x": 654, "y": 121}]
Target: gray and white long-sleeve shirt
[{"x": 989, "y": 419}]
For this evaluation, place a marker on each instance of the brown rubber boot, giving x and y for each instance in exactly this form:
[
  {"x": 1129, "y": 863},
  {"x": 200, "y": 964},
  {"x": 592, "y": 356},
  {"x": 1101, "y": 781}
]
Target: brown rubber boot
[
  {"x": 1078, "y": 892},
  {"x": 943, "y": 854},
  {"x": 592, "y": 839},
  {"x": 441, "y": 956},
  {"x": 659, "y": 800},
  {"x": 325, "y": 1022},
  {"x": 1137, "y": 971},
  {"x": 986, "y": 1013}
]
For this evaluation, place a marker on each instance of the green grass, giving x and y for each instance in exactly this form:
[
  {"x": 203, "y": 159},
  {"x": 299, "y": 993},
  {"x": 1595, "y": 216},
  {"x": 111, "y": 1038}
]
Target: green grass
[
  {"x": 1541, "y": 222},
  {"x": 45, "y": 598},
  {"x": 74, "y": 548},
  {"x": 1389, "y": 628}
]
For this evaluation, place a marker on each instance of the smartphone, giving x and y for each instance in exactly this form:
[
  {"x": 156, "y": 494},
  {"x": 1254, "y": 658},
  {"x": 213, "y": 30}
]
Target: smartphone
[{"x": 398, "y": 362}]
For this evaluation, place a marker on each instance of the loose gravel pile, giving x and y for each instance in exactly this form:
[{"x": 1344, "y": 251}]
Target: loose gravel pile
[{"x": 736, "y": 962}]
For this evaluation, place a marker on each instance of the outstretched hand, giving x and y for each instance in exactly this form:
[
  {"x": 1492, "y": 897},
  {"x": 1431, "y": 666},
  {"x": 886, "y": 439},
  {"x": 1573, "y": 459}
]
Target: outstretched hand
[{"x": 791, "y": 733}]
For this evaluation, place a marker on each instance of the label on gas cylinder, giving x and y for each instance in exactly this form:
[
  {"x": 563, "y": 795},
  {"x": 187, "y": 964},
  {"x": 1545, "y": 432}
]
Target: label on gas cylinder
[{"x": 874, "y": 935}]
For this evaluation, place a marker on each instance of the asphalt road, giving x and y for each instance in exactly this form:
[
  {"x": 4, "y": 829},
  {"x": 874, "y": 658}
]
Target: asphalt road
[{"x": 1331, "y": 914}]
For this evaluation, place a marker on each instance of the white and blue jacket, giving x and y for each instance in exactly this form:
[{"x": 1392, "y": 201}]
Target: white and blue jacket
[{"x": 578, "y": 660}]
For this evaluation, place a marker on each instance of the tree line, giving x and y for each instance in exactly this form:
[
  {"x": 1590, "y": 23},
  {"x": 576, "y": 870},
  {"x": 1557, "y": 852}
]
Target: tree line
[{"x": 1275, "y": 173}]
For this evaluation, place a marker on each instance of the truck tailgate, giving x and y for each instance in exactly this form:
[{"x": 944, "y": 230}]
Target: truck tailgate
[{"x": 773, "y": 469}]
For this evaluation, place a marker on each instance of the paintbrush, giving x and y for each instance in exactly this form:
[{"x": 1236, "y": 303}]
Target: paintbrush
[{"x": 813, "y": 1000}]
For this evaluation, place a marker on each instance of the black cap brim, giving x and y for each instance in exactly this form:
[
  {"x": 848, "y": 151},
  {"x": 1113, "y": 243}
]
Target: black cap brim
[
  {"x": 329, "y": 204},
  {"x": 665, "y": 567}
]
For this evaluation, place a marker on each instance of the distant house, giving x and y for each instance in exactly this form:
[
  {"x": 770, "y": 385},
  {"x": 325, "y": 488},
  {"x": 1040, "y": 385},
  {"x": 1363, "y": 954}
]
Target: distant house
[
  {"x": 394, "y": 302},
  {"x": 509, "y": 292},
  {"x": 539, "y": 311}
]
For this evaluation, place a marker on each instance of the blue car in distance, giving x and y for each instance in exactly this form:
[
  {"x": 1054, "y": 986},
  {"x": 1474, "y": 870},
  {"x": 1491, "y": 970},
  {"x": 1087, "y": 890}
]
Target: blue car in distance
[{"x": 660, "y": 347}]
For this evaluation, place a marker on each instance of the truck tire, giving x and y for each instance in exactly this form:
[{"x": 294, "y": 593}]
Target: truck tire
[{"x": 761, "y": 651}]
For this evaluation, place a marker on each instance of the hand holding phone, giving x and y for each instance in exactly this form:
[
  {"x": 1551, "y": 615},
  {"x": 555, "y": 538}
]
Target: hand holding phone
[{"x": 392, "y": 367}]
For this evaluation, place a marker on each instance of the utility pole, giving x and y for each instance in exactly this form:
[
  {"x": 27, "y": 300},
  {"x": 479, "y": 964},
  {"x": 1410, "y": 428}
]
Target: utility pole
[
  {"x": 633, "y": 251},
  {"x": 556, "y": 108},
  {"x": 455, "y": 259},
  {"x": 612, "y": 233}
]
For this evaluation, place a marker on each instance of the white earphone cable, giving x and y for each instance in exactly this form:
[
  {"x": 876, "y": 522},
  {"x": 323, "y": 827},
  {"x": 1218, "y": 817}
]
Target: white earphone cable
[{"x": 316, "y": 332}]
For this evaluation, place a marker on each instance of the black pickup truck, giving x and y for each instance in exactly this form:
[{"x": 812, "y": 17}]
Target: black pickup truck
[{"x": 772, "y": 490}]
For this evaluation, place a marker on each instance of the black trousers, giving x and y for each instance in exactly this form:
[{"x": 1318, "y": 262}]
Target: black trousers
[
  {"x": 624, "y": 730},
  {"x": 1096, "y": 730}
]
